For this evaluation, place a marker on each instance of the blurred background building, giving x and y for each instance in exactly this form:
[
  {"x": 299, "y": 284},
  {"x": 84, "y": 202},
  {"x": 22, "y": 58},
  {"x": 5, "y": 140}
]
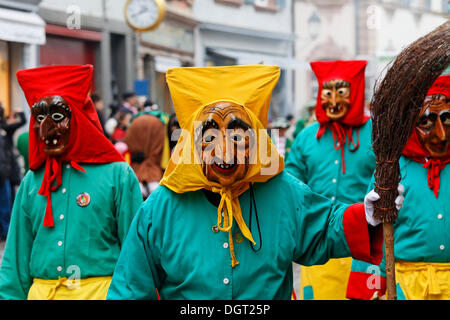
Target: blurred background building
[
  {"x": 373, "y": 30},
  {"x": 22, "y": 31},
  {"x": 288, "y": 33},
  {"x": 249, "y": 32}
]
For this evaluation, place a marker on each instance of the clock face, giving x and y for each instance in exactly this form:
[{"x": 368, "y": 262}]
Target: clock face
[{"x": 143, "y": 14}]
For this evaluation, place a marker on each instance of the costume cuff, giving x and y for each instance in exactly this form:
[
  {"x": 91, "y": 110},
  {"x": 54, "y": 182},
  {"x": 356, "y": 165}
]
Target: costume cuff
[
  {"x": 365, "y": 242},
  {"x": 363, "y": 285}
]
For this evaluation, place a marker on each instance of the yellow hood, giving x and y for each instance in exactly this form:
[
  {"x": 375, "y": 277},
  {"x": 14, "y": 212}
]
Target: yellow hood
[{"x": 194, "y": 88}]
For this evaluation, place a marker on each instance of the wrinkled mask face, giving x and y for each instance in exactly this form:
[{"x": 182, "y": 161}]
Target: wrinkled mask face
[
  {"x": 433, "y": 126},
  {"x": 223, "y": 140},
  {"x": 52, "y": 124},
  {"x": 335, "y": 98}
]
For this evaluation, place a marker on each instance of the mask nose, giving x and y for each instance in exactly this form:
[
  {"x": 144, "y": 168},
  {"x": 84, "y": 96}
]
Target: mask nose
[
  {"x": 45, "y": 128},
  {"x": 440, "y": 131},
  {"x": 333, "y": 98},
  {"x": 227, "y": 150}
]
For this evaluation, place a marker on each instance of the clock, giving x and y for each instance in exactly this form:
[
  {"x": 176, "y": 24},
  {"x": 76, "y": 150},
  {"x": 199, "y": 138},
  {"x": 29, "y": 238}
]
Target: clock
[{"x": 144, "y": 15}]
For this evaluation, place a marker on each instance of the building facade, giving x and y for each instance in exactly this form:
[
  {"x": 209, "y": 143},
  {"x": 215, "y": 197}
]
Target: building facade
[
  {"x": 22, "y": 31},
  {"x": 171, "y": 44},
  {"x": 373, "y": 30},
  {"x": 240, "y": 32},
  {"x": 91, "y": 32}
]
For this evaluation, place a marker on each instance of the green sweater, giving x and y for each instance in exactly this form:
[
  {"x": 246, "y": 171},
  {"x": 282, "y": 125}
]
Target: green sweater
[
  {"x": 171, "y": 246},
  {"x": 318, "y": 164},
  {"x": 84, "y": 239}
]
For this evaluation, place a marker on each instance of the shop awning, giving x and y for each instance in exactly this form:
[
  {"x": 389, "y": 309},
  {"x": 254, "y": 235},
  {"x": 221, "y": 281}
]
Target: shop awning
[
  {"x": 19, "y": 26},
  {"x": 255, "y": 58},
  {"x": 162, "y": 63}
]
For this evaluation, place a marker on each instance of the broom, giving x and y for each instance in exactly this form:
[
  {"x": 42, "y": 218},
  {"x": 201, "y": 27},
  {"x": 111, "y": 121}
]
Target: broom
[{"x": 395, "y": 108}]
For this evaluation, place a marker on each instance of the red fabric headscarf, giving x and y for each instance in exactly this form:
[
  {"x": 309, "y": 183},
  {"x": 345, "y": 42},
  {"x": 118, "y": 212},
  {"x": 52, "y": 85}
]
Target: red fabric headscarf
[
  {"x": 87, "y": 143},
  {"x": 351, "y": 71},
  {"x": 416, "y": 151}
]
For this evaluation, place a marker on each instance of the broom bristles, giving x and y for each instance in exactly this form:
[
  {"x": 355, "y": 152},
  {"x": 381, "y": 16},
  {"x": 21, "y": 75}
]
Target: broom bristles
[{"x": 396, "y": 104}]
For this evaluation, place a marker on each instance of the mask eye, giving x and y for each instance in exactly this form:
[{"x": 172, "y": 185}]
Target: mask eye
[
  {"x": 236, "y": 137},
  {"x": 57, "y": 117},
  {"x": 326, "y": 92},
  {"x": 40, "y": 117},
  {"x": 445, "y": 118},
  {"x": 209, "y": 138},
  {"x": 342, "y": 91},
  {"x": 425, "y": 123}
]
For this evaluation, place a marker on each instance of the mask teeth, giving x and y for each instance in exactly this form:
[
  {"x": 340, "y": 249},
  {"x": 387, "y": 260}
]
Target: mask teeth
[{"x": 224, "y": 166}]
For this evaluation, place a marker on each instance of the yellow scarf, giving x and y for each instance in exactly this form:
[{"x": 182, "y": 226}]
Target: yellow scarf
[{"x": 194, "y": 88}]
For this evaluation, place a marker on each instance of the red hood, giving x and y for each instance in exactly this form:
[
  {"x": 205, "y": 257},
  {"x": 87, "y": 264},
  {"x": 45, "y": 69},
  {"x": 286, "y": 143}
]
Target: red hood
[
  {"x": 415, "y": 151},
  {"x": 87, "y": 143},
  {"x": 413, "y": 148},
  {"x": 351, "y": 71}
]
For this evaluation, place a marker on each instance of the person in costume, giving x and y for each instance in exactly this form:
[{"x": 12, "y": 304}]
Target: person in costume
[
  {"x": 421, "y": 231},
  {"x": 226, "y": 221},
  {"x": 333, "y": 157},
  {"x": 145, "y": 139},
  {"x": 75, "y": 205}
]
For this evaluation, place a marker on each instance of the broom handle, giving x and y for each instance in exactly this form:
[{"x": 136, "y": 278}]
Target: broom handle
[{"x": 388, "y": 233}]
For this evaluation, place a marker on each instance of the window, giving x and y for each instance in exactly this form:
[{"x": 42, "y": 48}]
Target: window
[
  {"x": 406, "y": 3},
  {"x": 427, "y": 4}
]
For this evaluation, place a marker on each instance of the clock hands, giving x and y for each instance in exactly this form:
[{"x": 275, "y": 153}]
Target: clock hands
[{"x": 143, "y": 10}]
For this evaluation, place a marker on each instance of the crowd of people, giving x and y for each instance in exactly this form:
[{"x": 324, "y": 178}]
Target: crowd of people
[{"x": 140, "y": 189}]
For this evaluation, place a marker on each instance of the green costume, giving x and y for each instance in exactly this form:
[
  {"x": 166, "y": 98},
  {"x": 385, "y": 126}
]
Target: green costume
[
  {"x": 420, "y": 234},
  {"x": 22, "y": 146},
  {"x": 92, "y": 213},
  {"x": 173, "y": 245},
  {"x": 319, "y": 164}
]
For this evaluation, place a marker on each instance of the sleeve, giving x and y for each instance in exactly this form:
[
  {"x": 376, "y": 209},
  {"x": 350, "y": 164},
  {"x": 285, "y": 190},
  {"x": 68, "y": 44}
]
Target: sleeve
[
  {"x": 367, "y": 277},
  {"x": 15, "y": 278},
  {"x": 11, "y": 128},
  {"x": 295, "y": 161},
  {"x": 127, "y": 199},
  {"x": 137, "y": 274},
  {"x": 334, "y": 230}
]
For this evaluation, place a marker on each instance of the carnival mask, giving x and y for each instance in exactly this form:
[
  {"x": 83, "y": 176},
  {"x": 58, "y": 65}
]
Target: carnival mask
[
  {"x": 433, "y": 126},
  {"x": 335, "y": 98},
  {"x": 52, "y": 124},
  {"x": 223, "y": 139}
]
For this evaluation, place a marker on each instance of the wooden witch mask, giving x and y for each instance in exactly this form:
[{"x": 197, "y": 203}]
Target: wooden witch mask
[
  {"x": 335, "y": 98},
  {"x": 433, "y": 126},
  {"x": 223, "y": 141},
  {"x": 341, "y": 91},
  {"x": 52, "y": 124}
]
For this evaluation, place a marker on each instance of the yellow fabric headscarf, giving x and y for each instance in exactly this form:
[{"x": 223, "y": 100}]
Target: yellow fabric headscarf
[{"x": 194, "y": 88}]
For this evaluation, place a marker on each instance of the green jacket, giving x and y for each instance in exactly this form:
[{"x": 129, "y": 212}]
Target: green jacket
[
  {"x": 86, "y": 239},
  {"x": 318, "y": 164},
  {"x": 421, "y": 231},
  {"x": 172, "y": 248}
]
